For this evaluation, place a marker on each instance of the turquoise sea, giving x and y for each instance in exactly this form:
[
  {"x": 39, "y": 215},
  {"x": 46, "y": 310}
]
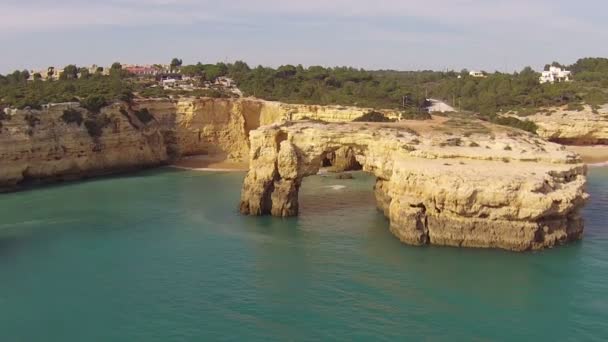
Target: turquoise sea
[{"x": 163, "y": 255}]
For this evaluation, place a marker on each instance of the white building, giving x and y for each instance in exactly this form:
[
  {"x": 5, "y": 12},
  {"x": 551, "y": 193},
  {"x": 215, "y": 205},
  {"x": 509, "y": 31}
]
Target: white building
[
  {"x": 169, "y": 83},
  {"x": 555, "y": 74},
  {"x": 224, "y": 82},
  {"x": 478, "y": 74}
]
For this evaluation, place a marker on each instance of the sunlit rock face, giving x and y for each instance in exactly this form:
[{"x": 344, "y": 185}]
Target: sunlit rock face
[
  {"x": 572, "y": 127},
  {"x": 40, "y": 146},
  {"x": 488, "y": 187}
]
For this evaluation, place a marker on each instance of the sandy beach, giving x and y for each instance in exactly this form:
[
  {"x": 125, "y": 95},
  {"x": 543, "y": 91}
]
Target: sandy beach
[
  {"x": 209, "y": 163},
  {"x": 591, "y": 154}
]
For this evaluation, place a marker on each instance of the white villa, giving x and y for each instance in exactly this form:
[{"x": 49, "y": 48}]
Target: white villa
[
  {"x": 478, "y": 74},
  {"x": 555, "y": 74}
]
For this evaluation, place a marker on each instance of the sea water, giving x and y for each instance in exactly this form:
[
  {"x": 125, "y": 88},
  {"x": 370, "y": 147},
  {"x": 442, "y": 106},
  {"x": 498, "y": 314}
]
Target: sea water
[{"x": 164, "y": 255}]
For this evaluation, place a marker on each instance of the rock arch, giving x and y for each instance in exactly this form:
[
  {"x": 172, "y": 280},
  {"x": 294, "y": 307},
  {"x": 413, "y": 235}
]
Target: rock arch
[{"x": 468, "y": 190}]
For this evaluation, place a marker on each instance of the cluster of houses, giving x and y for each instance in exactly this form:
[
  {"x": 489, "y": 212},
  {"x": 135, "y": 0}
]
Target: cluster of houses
[
  {"x": 54, "y": 72},
  {"x": 174, "y": 81},
  {"x": 553, "y": 75},
  {"x": 147, "y": 70},
  {"x": 165, "y": 76}
]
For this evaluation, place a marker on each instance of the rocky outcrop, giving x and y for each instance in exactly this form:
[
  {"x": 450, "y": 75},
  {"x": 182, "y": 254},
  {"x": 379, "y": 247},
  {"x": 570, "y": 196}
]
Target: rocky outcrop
[
  {"x": 498, "y": 188},
  {"x": 40, "y": 146},
  {"x": 342, "y": 159},
  {"x": 328, "y": 113},
  {"x": 222, "y": 126},
  {"x": 573, "y": 127}
]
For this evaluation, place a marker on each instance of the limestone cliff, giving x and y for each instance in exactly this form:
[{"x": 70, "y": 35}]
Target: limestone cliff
[
  {"x": 213, "y": 126},
  {"x": 222, "y": 126},
  {"x": 328, "y": 113},
  {"x": 573, "y": 127},
  {"x": 39, "y": 145},
  {"x": 437, "y": 185}
]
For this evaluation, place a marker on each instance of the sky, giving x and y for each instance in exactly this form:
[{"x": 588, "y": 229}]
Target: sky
[{"x": 489, "y": 35}]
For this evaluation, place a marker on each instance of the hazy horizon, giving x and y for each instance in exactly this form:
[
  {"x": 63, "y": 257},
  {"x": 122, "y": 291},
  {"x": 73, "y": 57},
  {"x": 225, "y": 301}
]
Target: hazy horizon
[{"x": 383, "y": 34}]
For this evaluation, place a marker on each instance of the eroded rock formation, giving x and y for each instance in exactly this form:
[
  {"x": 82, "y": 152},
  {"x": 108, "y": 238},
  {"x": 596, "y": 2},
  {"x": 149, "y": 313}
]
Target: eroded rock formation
[
  {"x": 342, "y": 159},
  {"x": 490, "y": 187},
  {"x": 583, "y": 127},
  {"x": 38, "y": 145}
]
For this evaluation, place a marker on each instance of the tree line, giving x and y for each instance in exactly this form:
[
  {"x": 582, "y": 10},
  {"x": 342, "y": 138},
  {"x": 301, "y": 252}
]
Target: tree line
[{"x": 406, "y": 90}]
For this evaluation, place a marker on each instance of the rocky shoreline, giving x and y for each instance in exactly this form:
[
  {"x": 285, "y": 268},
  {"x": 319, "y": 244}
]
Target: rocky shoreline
[
  {"x": 583, "y": 127},
  {"x": 446, "y": 181},
  {"x": 48, "y": 145},
  {"x": 498, "y": 189}
]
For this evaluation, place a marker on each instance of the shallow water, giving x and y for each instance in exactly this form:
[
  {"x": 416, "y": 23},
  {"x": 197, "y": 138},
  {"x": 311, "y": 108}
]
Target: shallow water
[{"x": 164, "y": 256}]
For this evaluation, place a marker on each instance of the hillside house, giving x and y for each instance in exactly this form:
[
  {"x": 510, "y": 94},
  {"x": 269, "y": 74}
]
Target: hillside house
[
  {"x": 94, "y": 68},
  {"x": 555, "y": 74},
  {"x": 142, "y": 70},
  {"x": 477, "y": 74},
  {"x": 225, "y": 82}
]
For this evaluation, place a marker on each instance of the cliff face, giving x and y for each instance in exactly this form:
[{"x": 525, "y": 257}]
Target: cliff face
[
  {"x": 328, "y": 113},
  {"x": 41, "y": 146},
  {"x": 573, "y": 127},
  {"x": 505, "y": 189},
  {"x": 222, "y": 126},
  {"x": 212, "y": 126}
]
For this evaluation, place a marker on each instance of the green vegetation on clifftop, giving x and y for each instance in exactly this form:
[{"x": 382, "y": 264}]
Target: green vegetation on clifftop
[{"x": 488, "y": 96}]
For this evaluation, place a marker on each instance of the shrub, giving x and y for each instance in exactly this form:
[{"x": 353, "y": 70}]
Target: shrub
[
  {"x": 32, "y": 120},
  {"x": 451, "y": 142},
  {"x": 154, "y": 92},
  {"x": 144, "y": 115},
  {"x": 306, "y": 118},
  {"x": 3, "y": 116},
  {"x": 373, "y": 116},
  {"x": 526, "y": 125},
  {"x": 526, "y": 112},
  {"x": 575, "y": 106},
  {"x": 95, "y": 125},
  {"x": 93, "y": 103},
  {"x": 72, "y": 116},
  {"x": 126, "y": 96},
  {"x": 414, "y": 115},
  {"x": 213, "y": 93}
]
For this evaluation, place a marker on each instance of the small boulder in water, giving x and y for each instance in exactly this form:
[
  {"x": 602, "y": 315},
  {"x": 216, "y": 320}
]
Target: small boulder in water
[{"x": 344, "y": 176}]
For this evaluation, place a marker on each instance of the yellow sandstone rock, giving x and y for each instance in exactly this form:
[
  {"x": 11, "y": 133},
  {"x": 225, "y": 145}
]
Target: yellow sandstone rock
[
  {"x": 52, "y": 149},
  {"x": 506, "y": 189},
  {"x": 465, "y": 184},
  {"x": 573, "y": 127}
]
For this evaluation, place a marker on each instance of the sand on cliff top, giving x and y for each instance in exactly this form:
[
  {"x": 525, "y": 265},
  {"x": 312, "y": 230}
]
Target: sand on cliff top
[
  {"x": 591, "y": 154},
  {"x": 210, "y": 163}
]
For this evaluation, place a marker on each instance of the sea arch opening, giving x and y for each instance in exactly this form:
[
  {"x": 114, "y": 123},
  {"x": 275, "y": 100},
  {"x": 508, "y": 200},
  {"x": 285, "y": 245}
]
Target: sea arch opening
[{"x": 281, "y": 160}]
